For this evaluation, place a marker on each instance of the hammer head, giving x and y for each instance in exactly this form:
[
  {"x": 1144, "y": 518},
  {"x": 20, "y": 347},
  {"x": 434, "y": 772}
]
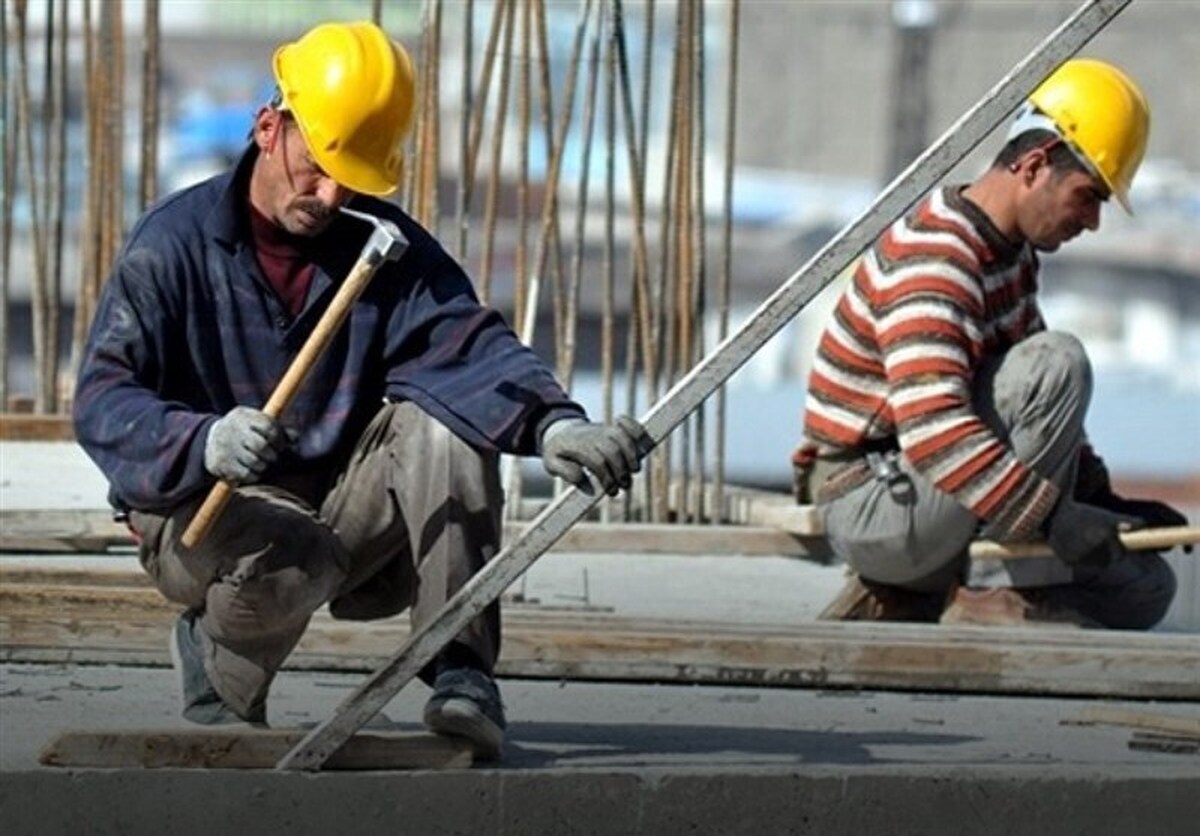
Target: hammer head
[{"x": 386, "y": 243}]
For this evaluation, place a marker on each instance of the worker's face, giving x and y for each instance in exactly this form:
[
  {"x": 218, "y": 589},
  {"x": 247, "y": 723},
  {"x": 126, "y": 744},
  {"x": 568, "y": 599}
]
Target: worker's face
[
  {"x": 287, "y": 185},
  {"x": 1057, "y": 205}
]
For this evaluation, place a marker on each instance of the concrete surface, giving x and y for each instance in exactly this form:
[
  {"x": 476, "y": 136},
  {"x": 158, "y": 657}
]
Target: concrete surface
[{"x": 622, "y": 759}]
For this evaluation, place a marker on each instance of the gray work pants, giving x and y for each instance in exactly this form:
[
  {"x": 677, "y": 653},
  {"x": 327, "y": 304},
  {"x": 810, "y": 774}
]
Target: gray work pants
[
  {"x": 909, "y": 533},
  {"x": 412, "y": 516}
]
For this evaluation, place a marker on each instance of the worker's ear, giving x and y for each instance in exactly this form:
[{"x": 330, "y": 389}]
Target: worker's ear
[
  {"x": 1030, "y": 165},
  {"x": 266, "y": 127}
]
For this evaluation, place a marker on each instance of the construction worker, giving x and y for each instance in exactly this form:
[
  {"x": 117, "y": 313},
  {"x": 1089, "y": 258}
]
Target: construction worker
[
  {"x": 378, "y": 490},
  {"x": 940, "y": 409}
]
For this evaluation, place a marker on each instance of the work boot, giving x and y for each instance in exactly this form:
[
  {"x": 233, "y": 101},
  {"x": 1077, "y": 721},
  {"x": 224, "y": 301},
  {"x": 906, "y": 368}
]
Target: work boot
[
  {"x": 1007, "y": 607},
  {"x": 201, "y": 702},
  {"x": 864, "y": 600},
  {"x": 466, "y": 703}
]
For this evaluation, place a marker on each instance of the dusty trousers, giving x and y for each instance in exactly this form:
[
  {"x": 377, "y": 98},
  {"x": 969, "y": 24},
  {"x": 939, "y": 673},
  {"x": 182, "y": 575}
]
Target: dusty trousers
[
  {"x": 413, "y": 514},
  {"x": 906, "y": 532}
]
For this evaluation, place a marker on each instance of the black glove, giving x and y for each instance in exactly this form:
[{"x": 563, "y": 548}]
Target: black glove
[
  {"x": 609, "y": 452},
  {"x": 1152, "y": 512},
  {"x": 1094, "y": 487},
  {"x": 1084, "y": 535},
  {"x": 242, "y": 444}
]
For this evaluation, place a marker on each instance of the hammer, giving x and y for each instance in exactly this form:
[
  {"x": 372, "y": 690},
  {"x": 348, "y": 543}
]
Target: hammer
[{"x": 385, "y": 244}]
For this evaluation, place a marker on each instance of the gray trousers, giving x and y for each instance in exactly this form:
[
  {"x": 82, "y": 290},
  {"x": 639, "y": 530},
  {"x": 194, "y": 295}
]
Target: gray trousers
[
  {"x": 412, "y": 516},
  {"x": 909, "y": 533}
]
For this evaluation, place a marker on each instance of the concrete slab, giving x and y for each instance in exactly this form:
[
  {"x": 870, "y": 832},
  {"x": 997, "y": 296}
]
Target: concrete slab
[{"x": 616, "y": 758}]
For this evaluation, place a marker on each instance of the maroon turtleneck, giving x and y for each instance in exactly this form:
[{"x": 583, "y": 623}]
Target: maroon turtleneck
[{"x": 282, "y": 259}]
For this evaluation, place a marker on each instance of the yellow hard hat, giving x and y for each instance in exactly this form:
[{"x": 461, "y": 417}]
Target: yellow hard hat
[
  {"x": 351, "y": 90},
  {"x": 1103, "y": 115}
]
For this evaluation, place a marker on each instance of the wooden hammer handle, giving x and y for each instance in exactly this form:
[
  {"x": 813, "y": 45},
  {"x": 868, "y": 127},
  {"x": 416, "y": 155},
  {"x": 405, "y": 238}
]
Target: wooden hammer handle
[
  {"x": 356, "y": 281},
  {"x": 1144, "y": 539}
]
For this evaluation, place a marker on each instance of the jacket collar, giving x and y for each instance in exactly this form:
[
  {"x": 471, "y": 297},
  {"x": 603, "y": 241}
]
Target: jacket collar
[{"x": 226, "y": 222}]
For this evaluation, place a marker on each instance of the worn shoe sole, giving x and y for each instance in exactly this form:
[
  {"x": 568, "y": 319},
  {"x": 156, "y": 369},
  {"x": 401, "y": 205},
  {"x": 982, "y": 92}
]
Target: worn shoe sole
[{"x": 460, "y": 717}]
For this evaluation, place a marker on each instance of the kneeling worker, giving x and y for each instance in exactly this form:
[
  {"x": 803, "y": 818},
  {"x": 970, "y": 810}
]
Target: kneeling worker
[
  {"x": 940, "y": 408},
  {"x": 379, "y": 489}
]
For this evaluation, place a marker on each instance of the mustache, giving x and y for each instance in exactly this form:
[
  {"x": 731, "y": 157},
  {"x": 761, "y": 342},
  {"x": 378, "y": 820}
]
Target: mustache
[{"x": 315, "y": 208}]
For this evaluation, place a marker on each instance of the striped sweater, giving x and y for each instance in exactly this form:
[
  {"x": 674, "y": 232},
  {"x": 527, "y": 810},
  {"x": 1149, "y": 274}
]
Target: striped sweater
[{"x": 937, "y": 292}]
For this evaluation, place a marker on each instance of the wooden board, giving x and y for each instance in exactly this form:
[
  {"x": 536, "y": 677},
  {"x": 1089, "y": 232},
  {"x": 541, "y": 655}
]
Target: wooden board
[
  {"x": 247, "y": 749},
  {"x": 66, "y": 531},
  {"x": 82, "y": 531},
  {"x": 16, "y": 426},
  {"x": 780, "y": 530},
  {"x": 1162, "y": 723},
  {"x": 116, "y": 624}
]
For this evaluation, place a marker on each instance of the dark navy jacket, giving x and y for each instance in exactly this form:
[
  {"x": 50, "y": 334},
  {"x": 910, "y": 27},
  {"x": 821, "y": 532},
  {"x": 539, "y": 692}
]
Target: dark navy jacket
[{"x": 187, "y": 328}]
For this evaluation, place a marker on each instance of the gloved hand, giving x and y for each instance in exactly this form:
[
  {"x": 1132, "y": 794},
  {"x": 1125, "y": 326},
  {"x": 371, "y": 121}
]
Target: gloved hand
[
  {"x": 242, "y": 444},
  {"x": 1084, "y": 535},
  {"x": 1094, "y": 487},
  {"x": 608, "y": 452}
]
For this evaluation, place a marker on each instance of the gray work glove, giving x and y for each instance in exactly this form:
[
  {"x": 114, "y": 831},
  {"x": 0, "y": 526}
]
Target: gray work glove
[
  {"x": 1084, "y": 535},
  {"x": 611, "y": 453},
  {"x": 242, "y": 444}
]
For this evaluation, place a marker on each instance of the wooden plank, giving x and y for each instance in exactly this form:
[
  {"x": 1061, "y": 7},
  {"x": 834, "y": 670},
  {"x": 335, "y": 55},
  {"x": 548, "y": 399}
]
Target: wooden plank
[
  {"x": 35, "y": 427},
  {"x": 246, "y": 749},
  {"x": 1146, "y": 742},
  {"x": 61, "y": 531},
  {"x": 40, "y": 531},
  {"x": 83, "y": 571},
  {"x": 115, "y": 624},
  {"x": 1163, "y": 723},
  {"x": 650, "y": 538},
  {"x": 779, "y": 530}
]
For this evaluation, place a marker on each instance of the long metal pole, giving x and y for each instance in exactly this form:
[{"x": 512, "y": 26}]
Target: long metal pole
[
  {"x": 924, "y": 173},
  {"x": 7, "y": 186},
  {"x": 723, "y": 282}
]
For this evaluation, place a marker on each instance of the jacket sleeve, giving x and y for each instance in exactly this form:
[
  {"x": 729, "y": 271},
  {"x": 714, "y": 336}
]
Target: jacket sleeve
[
  {"x": 150, "y": 448},
  {"x": 460, "y": 361}
]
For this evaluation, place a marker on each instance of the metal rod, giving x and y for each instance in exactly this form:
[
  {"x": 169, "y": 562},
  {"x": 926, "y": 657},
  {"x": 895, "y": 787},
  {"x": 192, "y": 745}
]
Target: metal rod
[
  {"x": 726, "y": 271},
  {"x": 550, "y": 243},
  {"x": 38, "y": 301},
  {"x": 566, "y": 354},
  {"x": 58, "y": 200},
  {"x": 494, "y": 178},
  {"x": 700, "y": 298},
  {"x": 608, "y": 302},
  {"x": 462, "y": 209},
  {"x": 150, "y": 78},
  {"x": 7, "y": 186},
  {"x": 550, "y": 525},
  {"x": 476, "y": 114}
]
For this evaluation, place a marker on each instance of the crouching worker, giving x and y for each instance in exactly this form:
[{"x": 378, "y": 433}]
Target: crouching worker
[
  {"x": 940, "y": 409},
  {"x": 378, "y": 491}
]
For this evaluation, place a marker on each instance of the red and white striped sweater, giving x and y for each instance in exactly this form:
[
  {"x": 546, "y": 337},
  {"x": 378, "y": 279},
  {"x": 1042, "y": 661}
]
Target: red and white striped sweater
[{"x": 937, "y": 292}]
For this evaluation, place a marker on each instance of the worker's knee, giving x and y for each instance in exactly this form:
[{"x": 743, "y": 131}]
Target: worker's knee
[
  {"x": 1058, "y": 362},
  {"x": 279, "y": 564}
]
